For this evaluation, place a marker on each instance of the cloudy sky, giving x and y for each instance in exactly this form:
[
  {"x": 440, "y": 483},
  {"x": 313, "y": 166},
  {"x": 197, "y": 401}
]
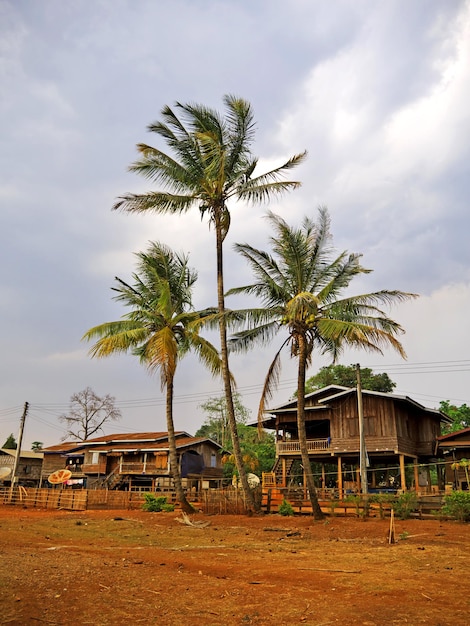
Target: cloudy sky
[{"x": 378, "y": 94}]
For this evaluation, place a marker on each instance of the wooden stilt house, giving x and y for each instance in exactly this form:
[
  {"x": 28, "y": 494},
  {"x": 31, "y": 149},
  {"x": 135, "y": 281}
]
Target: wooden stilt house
[{"x": 398, "y": 432}]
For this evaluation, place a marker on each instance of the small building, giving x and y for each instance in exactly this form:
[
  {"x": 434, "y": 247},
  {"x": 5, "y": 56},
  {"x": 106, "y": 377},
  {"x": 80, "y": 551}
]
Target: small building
[
  {"x": 398, "y": 431},
  {"x": 136, "y": 462},
  {"x": 455, "y": 448},
  {"x": 28, "y": 472}
]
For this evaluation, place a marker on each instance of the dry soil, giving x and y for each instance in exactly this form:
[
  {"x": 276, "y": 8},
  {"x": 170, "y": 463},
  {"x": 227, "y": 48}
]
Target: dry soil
[{"x": 132, "y": 567}]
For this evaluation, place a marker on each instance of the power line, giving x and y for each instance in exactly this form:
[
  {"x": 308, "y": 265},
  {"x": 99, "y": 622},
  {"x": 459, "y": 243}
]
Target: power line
[{"x": 395, "y": 369}]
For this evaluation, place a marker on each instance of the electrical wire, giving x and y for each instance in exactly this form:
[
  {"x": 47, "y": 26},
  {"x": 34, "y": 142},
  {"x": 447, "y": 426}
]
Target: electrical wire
[{"x": 55, "y": 410}]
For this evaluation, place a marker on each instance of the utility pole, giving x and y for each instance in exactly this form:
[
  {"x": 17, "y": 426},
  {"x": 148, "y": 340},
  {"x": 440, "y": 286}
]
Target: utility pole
[
  {"x": 20, "y": 441},
  {"x": 362, "y": 439}
]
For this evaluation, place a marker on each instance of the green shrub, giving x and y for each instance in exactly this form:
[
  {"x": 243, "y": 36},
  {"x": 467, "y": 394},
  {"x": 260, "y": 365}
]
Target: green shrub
[
  {"x": 356, "y": 500},
  {"x": 383, "y": 500},
  {"x": 457, "y": 504},
  {"x": 405, "y": 504},
  {"x": 361, "y": 503},
  {"x": 155, "y": 504},
  {"x": 285, "y": 508},
  {"x": 333, "y": 505}
]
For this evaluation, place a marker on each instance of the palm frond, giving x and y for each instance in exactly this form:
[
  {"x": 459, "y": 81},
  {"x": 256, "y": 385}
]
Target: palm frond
[
  {"x": 257, "y": 193},
  {"x": 260, "y": 335},
  {"x": 115, "y": 337},
  {"x": 160, "y": 202}
]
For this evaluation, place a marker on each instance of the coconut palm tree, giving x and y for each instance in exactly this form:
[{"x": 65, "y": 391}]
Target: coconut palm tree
[
  {"x": 160, "y": 328},
  {"x": 209, "y": 164},
  {"x": 300, "y": 285}
]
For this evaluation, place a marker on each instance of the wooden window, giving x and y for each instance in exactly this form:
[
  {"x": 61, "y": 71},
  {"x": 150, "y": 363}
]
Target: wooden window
[
  {"x": 161, "y": 461},
  {"x": 353, "y": 427},
  {"x": 370, "y": 426}
]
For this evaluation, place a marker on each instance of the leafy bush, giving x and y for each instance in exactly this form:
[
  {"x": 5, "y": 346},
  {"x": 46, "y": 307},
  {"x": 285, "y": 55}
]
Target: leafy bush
[
  {"x": 405, "y": 504},
  {"x": 285, "y": 508},
  {"x": 383, "y": 500},
  {"x": 362, "y": 504},
  {"x": 155, "y": 504},
  {"x": 457, "y": 504}
]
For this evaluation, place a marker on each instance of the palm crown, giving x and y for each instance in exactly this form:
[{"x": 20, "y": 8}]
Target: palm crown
[
  {"x": 300, "y": 284},
  {"x": 161, "y": 325},
  {"x": 211, "y": 162}
]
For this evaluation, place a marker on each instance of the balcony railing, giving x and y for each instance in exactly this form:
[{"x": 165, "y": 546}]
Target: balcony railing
[{"x": 293, "y": 447}]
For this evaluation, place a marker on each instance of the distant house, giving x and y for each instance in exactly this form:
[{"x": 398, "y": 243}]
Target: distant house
[
  {"x": 398, "y": 431},
  {"x": 136, "y": 461},
  {"x": 455, "y": 447},
  {"x": 28, "y": 472}
]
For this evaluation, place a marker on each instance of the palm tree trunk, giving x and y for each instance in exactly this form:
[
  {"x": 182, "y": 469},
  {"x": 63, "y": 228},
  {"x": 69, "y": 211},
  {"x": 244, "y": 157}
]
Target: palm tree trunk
[
  {"x": 307, "y": 468},
  {"x": 174, "y": 466},
  {"x": 232, "y": 422}
]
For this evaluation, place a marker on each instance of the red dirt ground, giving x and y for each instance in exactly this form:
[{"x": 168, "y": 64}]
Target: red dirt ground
[{"x": 132, "y": 567}]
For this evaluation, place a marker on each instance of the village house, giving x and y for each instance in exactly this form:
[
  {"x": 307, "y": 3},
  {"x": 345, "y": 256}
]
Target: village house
[
  {"x": 398, "y": 432},
  {"x": 28, "y": 472},
  {"x": 455, "y": 448},
  {"x": 135, "y": 462}
]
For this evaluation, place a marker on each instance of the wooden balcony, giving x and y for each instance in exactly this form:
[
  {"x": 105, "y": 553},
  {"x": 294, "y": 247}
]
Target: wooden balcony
[
  {"x": 293, "y": 447},
  {"x": 94, "y": 468},
  {"x": 141, "y": 468}
]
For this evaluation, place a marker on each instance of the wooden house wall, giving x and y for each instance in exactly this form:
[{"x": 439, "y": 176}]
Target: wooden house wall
[
  {"x": 389, "y": 425},
  {"x": 156, "y": 462},
  {"x": 417, "y": 431},
  {"x": 379, "y": 424},
  {"x": 94, "y": 468},
  {"x": 52, "y": 463},
  {"x": 28, "y": 468},
  {"x": 206, "y": 451}
]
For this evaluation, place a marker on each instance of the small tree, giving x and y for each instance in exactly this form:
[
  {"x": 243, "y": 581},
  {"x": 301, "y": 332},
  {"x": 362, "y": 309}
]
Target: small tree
[
  {"x": 10, "y": 443},
  {"x": 345, "y": 375},
  {"x": 36, "y": 446},
  {"x": 258, "y": 450},
  {"x": 216, "y": 424},
  {"x": 460, "y": 416},
  {"x": 88, "y": 413}
]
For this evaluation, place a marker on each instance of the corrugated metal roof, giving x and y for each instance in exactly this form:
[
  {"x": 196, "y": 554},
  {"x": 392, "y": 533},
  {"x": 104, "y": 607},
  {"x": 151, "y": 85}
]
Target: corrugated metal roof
[
  {"x": 24, "y": 454},
  {"x": 127, "y": 442}
]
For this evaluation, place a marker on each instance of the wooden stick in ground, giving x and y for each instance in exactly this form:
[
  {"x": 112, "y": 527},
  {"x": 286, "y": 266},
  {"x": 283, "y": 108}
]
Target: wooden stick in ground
[{"x": 391, "y": 533}]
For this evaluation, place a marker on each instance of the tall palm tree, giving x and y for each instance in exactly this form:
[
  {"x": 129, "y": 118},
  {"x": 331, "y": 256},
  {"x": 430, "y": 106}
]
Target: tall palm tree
[
  {"x": 300, "y": 285},
  {"x": 160, "y": 328},
  {"x": 209, "y": 163}
]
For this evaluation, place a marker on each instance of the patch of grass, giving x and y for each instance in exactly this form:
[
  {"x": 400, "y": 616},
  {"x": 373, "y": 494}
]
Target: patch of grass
[{"x": 155, "y": 504}]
